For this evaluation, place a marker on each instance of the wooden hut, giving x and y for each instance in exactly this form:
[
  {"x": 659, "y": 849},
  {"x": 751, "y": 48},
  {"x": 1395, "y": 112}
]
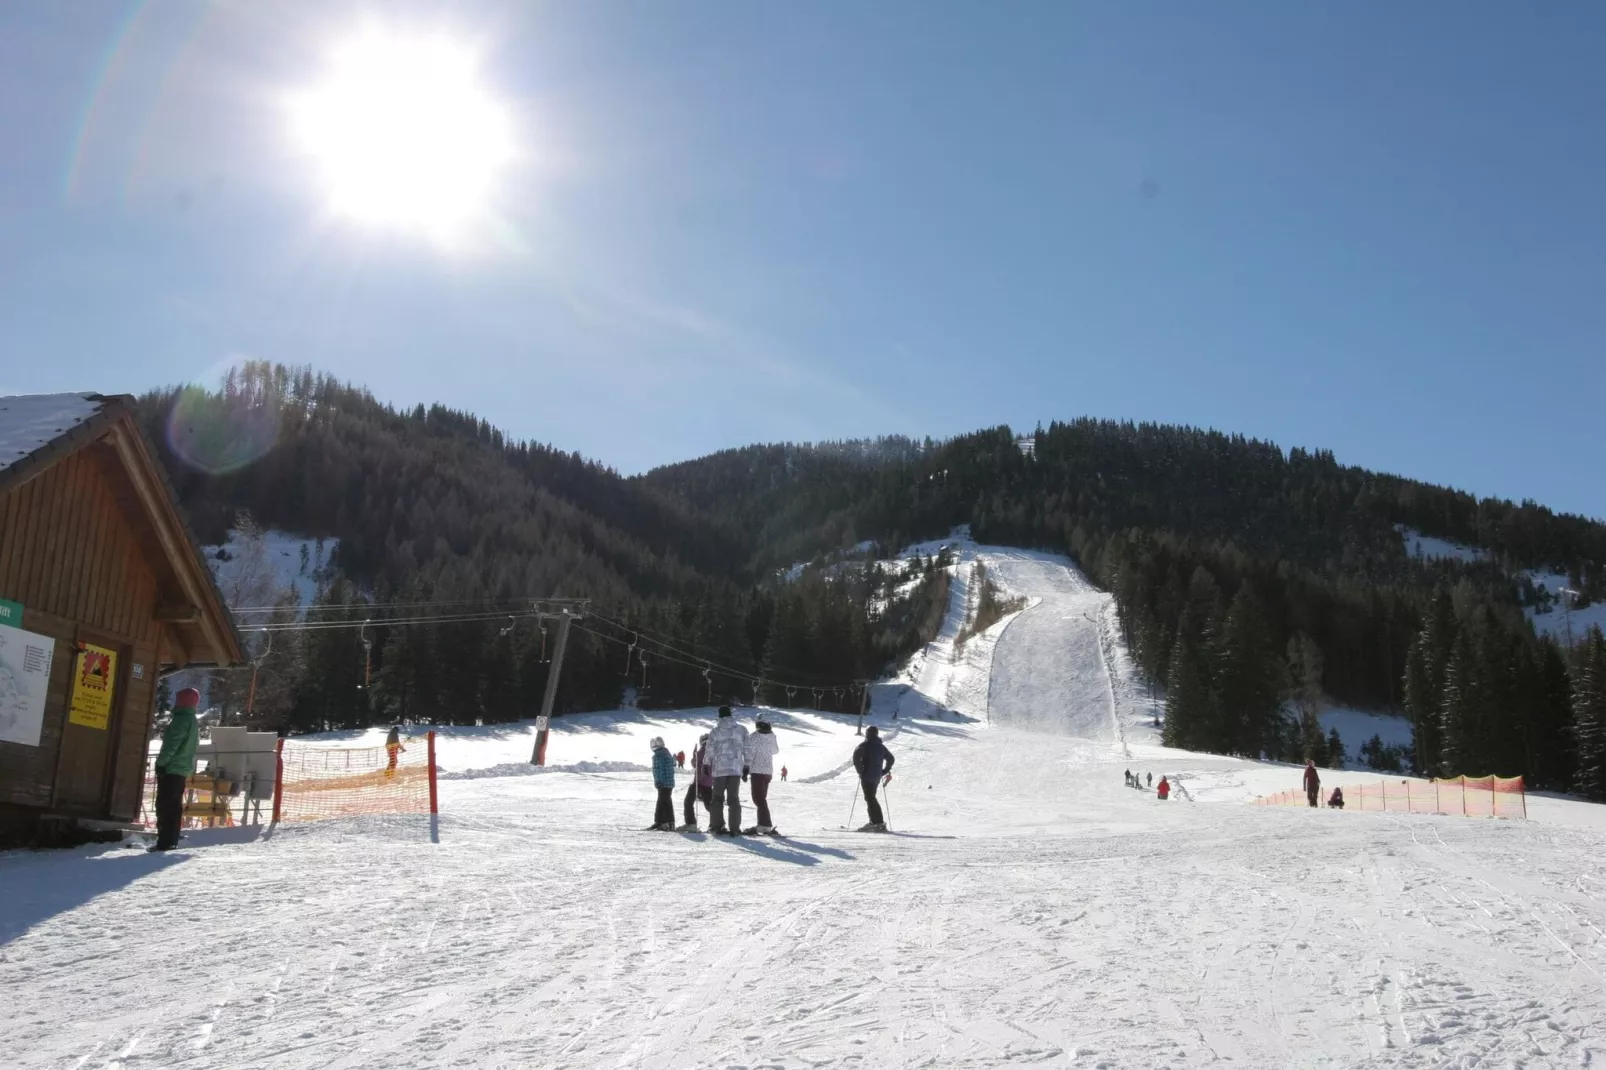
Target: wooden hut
[{"x": 102, "y": 589}]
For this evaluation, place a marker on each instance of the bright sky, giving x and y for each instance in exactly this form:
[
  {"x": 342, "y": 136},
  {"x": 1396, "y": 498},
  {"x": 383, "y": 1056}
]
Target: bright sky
[{"x": 650, "y": 230}]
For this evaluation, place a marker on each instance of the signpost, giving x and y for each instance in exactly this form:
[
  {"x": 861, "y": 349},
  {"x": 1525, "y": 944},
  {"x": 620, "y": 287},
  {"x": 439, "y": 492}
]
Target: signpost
[{"x": 25, "y": 660}]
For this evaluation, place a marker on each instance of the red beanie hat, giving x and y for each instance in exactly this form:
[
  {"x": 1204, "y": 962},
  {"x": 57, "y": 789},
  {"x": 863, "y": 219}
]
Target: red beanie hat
[{"x": 188, "y": 697}]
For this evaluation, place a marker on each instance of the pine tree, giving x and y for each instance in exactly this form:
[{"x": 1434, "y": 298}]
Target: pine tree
[
  {"x": 1335, "y": 750},
  {"x": 1456, "y": 710},
  {"x": 1187, "y": 690},
  {"x": 1305, "y": 676},
  {"x": 1589, "y": 717},
  {"x": 1247, "y": 692}
]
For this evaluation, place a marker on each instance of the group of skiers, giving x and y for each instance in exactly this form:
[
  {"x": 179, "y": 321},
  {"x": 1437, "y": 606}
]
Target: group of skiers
[
  {"x": 729, "y": 756},
  {"x": 1144, "y": 781},
  {"x": 722, "y": 760}
]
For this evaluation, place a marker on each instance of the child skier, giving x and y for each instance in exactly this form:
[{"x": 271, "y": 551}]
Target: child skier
[
  {"x": 1164, "y": 789},
  {"x": 783, "y": 772},
  {"x": 1336, "y": 800},
  {"x": 663, "y": 778},
  {"x": 393, "y": 749}
]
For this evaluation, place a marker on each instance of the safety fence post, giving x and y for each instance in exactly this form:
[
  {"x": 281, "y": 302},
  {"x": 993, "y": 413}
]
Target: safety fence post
[
  {"x": 278, "y": 779},
  {"x": 434, "y": 807}
]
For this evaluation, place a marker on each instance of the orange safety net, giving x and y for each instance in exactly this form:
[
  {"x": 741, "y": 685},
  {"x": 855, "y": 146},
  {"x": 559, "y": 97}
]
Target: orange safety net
[
  {"x": 322, "y": 782},
  {"x": 1488, "y": 796}
]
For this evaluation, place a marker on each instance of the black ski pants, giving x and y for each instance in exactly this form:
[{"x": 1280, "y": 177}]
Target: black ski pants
[
  {"x": 693, "y": 794},
  {"x": 665, "y": 814},
  {"x": 761, "y": 797},
  {"x": 727, "y": 795},
  {"x": 169, "y": 808},
  {"x": 870, "y": 804},
  {"x": 1311, "y": 793}
]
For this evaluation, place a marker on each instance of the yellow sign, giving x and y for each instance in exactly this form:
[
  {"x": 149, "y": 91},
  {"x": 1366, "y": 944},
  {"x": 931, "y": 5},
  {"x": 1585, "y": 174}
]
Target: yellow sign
[{"x": 94, "y": 672}]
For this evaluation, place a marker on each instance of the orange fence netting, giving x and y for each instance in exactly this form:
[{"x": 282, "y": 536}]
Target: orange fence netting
[
  {"x": 1486, "y": 796},
  {"x": 321, "y": 782}
]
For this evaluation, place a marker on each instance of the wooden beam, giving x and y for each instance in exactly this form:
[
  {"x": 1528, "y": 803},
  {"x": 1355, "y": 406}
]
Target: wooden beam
[
  {"x": 177, "y": 613},
  {"x": 174, "y": 538}
]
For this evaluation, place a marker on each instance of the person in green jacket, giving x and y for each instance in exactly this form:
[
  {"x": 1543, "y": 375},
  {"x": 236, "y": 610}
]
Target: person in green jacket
[{"x": 174, "y": 765}]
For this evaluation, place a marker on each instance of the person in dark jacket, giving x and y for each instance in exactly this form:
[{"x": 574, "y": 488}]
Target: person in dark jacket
[
  {"x": 175, "y": 763},
  {"x": 1336, "y": 800},
  {"x": 873, "y": 761},
  {"x": 663, "y": 778},
  {"x": 1313, "y": 784}
]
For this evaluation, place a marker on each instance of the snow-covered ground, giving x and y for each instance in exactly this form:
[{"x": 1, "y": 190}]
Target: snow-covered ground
[{"x": 1031, "y": 910}]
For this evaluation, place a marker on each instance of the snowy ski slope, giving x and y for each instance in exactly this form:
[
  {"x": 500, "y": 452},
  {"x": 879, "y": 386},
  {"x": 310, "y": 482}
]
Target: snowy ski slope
[{"x": 1031, "y": 911}]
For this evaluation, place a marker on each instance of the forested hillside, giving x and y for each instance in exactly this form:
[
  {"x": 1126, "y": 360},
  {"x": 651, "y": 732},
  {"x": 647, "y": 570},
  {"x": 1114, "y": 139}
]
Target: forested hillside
[
  {"x": 439, "y": 515},
  {"x": 1250, "y": 580}
]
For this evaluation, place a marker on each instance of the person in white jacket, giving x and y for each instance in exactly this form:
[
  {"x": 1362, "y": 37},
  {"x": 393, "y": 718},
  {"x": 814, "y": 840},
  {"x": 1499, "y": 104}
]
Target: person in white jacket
[
  {"x": 727, "y": 755},
  {"x": 762, "y": 747}
]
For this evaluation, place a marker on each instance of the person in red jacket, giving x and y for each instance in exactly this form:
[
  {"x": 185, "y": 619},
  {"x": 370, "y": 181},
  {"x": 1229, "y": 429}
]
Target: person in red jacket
[
  {"x": 1164, "y": 789},
  {"x": 1313, "y": 783}
]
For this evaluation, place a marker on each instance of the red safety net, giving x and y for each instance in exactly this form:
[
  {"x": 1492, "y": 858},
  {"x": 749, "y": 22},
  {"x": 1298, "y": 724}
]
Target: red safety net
[
  {"x": 322, "y": 782},
  {"x": 1488, "y": 796}
]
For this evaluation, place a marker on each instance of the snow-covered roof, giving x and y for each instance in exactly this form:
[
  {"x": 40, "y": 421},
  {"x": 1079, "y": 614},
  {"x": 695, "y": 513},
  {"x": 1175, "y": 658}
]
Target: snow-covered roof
[{"x": 30, "y": 422}]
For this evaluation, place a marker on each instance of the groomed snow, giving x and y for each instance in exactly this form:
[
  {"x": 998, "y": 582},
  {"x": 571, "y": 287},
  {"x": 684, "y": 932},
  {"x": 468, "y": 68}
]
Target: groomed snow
[{"x": 1032, "y": 910}]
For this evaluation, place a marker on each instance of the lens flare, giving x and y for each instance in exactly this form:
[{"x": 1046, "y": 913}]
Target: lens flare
[{"x": 216, "y": 434}]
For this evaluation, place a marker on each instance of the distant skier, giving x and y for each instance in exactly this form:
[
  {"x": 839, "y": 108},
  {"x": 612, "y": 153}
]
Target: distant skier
[
  {"x": 762, "y": 747},
  {"x": 783, "y": 774},
  {"x": 1336, "y": 800},
  {"x": 663, "y": 778},
  {"x": 701, "y": 786},
  {"x": 1151, "y": 780},
  {"x": 1313, "y": 783},
  {"x": 727, "y": 753},
  {"x": 680, "y": 759},
  {"x": 393, "y": 749},
  {"x": 873, "y": 761},
  {"x": 1129, "y": 778},
  {"x": 175, "y": 764},
  {"x": 1164, "y": 790}
]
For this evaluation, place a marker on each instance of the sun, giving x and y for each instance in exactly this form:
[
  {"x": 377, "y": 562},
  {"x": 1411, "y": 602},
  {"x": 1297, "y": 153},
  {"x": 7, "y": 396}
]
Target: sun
[{"x": 401, "y": 133}]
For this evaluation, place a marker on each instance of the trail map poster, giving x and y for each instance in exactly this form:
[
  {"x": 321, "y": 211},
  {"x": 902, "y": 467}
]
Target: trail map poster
[
  {"x": 24, "y": 679},
  {"x": 92, "y": 687}
]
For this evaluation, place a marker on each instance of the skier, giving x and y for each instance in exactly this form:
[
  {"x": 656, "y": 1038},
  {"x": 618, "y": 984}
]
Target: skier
[
  {"x": 783, "y": 774},
  {"x": 174, "y": 765},
  {"x": 1151, "y": 780},
  {"x": 1164, "y": 790},
  {"x": 701, "y": 786},
  {"x": 727, "y": 753},
  {"x": 873, "y": 761},
  {"x": 1336, "y": 800},
  {"x": 663, "y": 778},
  {"x": 762, "y": 746},
  {"x": 1313, "y": 783},
  {"x": 1129, "y": 778},
  {"x": 393, "y": 749},
  {"x": 680, "y": 759}
]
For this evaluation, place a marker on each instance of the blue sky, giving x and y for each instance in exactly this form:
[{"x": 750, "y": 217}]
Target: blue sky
[{"x": 1375, "y": 228}]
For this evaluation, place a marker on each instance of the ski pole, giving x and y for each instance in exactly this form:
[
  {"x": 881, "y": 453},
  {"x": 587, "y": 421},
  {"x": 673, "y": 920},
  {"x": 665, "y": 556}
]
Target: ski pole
[
  {"x": 851, "y": 808},
  {"x": 887, "y": 794}
]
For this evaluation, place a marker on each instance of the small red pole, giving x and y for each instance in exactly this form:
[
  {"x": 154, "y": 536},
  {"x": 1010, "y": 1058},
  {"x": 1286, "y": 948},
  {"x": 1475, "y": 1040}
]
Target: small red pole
[
  {"x": 434, "y": 806},
  {"x": 278, "y": 779}
]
